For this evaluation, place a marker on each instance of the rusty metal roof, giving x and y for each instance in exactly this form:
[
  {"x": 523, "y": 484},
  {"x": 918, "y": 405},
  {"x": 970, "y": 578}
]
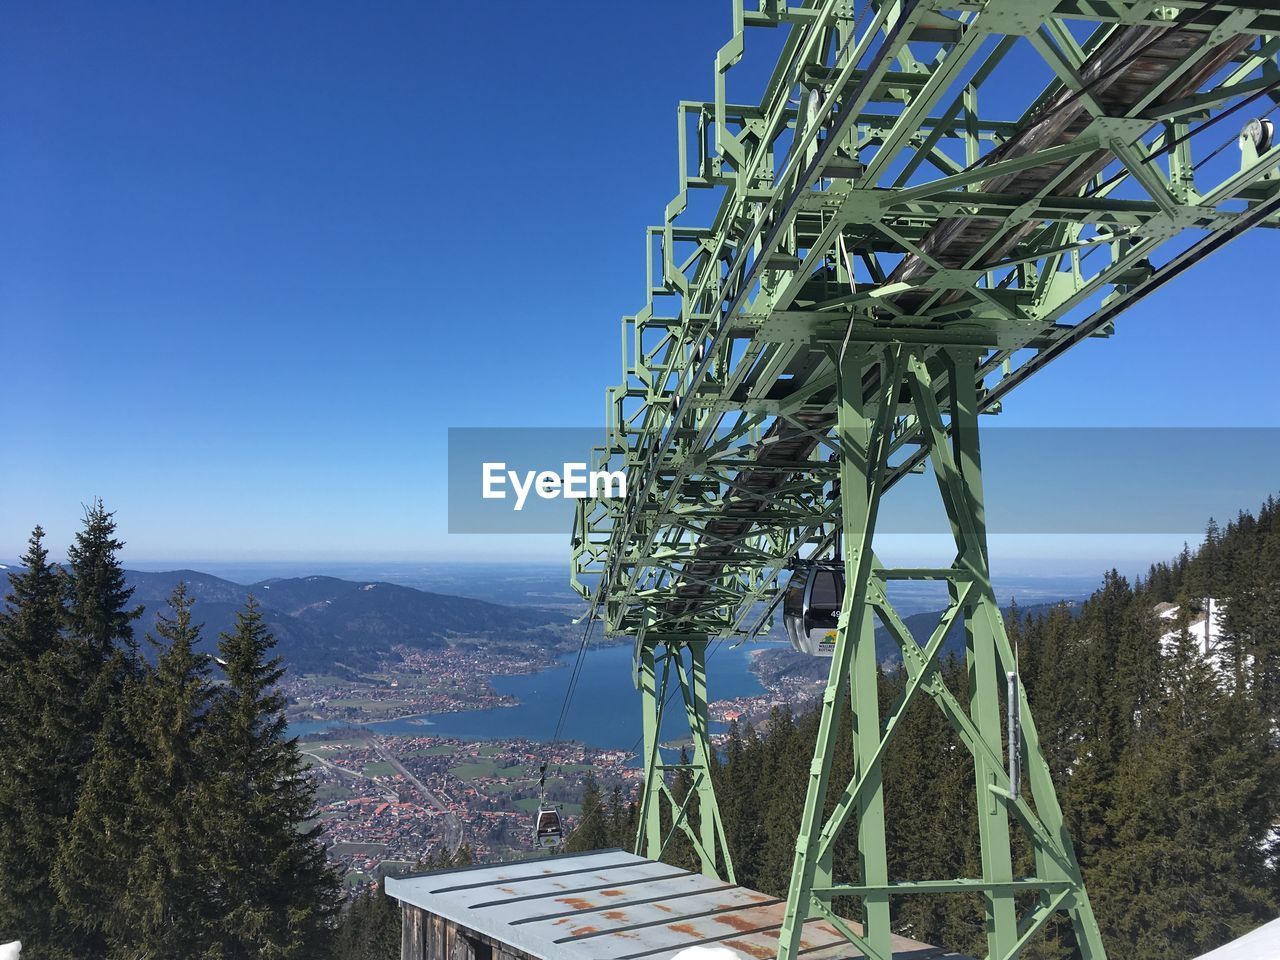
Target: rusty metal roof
[{"x": 613, "y": 905}]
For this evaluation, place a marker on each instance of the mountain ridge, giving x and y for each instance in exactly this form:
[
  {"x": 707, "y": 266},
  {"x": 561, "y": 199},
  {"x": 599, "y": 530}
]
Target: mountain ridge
[{"x": 327, "y": 624}]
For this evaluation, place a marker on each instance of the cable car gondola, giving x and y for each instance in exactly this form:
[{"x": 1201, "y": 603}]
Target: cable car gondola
[
  {"x": 548, "y": 828},
  {"x": 811, "y": 608}
]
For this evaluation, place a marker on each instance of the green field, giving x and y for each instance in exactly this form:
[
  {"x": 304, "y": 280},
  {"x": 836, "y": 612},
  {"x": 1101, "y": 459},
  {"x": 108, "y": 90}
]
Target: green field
[
  {"x": 355, "y": 879},
  {"x": 379, "y": 768},
  {"x": 328, "y": 794},
  {"x": 523, "y": 778},
  {"x": 355, "y": 849},
  {"x": 481, "y": 768},
  {"x": 324, "y": 678},
  {"x": 398, "y": 867},
  {"x": 370, "y": 705},
  {"x": 530, "y": 805},
  {"x": 323, "y": 748}
]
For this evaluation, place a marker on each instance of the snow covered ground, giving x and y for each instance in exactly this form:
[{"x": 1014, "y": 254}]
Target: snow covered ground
[{"x": 1204, "y": 626}]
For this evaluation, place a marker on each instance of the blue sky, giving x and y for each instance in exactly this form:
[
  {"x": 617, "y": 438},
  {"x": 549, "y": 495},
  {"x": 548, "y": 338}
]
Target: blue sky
[{"x": 257, "y": 258}]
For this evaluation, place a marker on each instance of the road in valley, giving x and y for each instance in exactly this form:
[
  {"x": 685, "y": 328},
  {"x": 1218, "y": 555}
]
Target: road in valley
[{"x": 452, "y": 826}]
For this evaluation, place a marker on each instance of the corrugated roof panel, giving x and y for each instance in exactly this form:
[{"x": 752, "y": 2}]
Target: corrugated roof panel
[
  {"x": 1262, "y": 944},
  {"x": 613, "y": 905}
]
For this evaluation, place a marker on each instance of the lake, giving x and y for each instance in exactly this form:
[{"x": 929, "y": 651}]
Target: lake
[{"x": 605, "y": 711}]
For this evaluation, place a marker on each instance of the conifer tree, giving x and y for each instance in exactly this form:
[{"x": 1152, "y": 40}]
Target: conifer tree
[
  {"x": 592, "y": 830},
  {"x": 104, "y": 836},
  {"x": 1121, "y": 656},
  {"x": 30, "y": 621},
  {"x": 680, "y": 850},
  {"x": 71, "y": 699},
  {"x": 746, "y": 785},
  {"x": 101, "y": 649},
  {"x": 727, "y": 789},
  {"x": 134, "y": 868},
  {"x": 173, "y": 785},
  {"x": 620, "y": 829},
  {"x": 387, "y": 923},
  {"x": 32, "y": 728},
  {"x": 98, "y": 597},
  {"x": 351, "y": 938},
  {"x": 464, "y": 856},
  {"x": 923, "y": 763},
  {"x": 785, "y": 763},
  {"x": 274, "y": 895},
  {"x": 1251, "y": 625},
  {"x": 1051, "y": 644},
  {"x": 1195, "y": 800},
  {"x": 369, "y": 928}
]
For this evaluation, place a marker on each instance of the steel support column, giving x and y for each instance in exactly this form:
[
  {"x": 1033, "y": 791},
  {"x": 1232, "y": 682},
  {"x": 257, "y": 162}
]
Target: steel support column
[
  {"x": 935, "y": 387},
  {"x": 663, "y": 669}
]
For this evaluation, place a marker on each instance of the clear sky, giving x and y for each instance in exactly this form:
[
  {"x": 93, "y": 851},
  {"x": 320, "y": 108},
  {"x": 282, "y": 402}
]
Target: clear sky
[{"x": 257, "y": 258}]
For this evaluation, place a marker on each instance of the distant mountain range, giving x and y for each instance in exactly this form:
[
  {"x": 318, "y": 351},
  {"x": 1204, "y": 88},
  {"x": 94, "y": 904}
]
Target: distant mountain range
[{"x": 326, "y": 624}]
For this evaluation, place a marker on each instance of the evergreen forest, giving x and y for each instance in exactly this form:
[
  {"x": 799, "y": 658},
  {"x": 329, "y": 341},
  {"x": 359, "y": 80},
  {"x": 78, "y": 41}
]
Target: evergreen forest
[{"x": 151, "y": 802}]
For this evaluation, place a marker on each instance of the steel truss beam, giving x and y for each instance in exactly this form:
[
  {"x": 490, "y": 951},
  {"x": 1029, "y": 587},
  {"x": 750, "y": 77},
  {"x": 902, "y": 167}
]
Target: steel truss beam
[
  {"x": 663, "y": 666},
  {"x": 939, "y": 384},
  {"x": 1058, "y": 215}
]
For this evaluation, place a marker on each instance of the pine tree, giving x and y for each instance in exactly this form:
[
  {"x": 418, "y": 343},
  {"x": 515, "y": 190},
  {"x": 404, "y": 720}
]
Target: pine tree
[
  {"x": 929, "y": 787},
  {"x": 1251, "y": 625},
  {"x": 133, "y": 868},
  {"x": 98, "y": 594},
  {"x": 32, "y": 729},
  {"x": 680, "y": 850},
  {"x": 1195, "y": 801},
  {"x": 1120, "y": 644},
  {"x": 464, "y": 856},
  {"x": 274, "y": 895},
  {"x": 619, "y": 829},
  {"x": 1052, "y": 643},
  {"x": 351, "y": 938},
  {"x": 386, "y": 924},
  {"x": 68, "y": 703},
  {"x": 105, "y": 835},
  {"x": 173, "y": 785},
  {"x": 784, "y": 775},
  {"x": 744, "y": 777},
  {"x": 592, "y": 831},
  {"x": 369, "y": 929},
  {"x": 30, "y": 622}
]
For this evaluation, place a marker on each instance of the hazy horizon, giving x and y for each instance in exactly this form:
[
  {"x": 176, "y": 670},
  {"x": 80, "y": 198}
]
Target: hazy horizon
[{"x": 1041, "y": 557}]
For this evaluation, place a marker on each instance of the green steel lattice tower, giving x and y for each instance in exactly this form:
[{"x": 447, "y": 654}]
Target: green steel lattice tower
[{"x": 894, "y": 245}]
